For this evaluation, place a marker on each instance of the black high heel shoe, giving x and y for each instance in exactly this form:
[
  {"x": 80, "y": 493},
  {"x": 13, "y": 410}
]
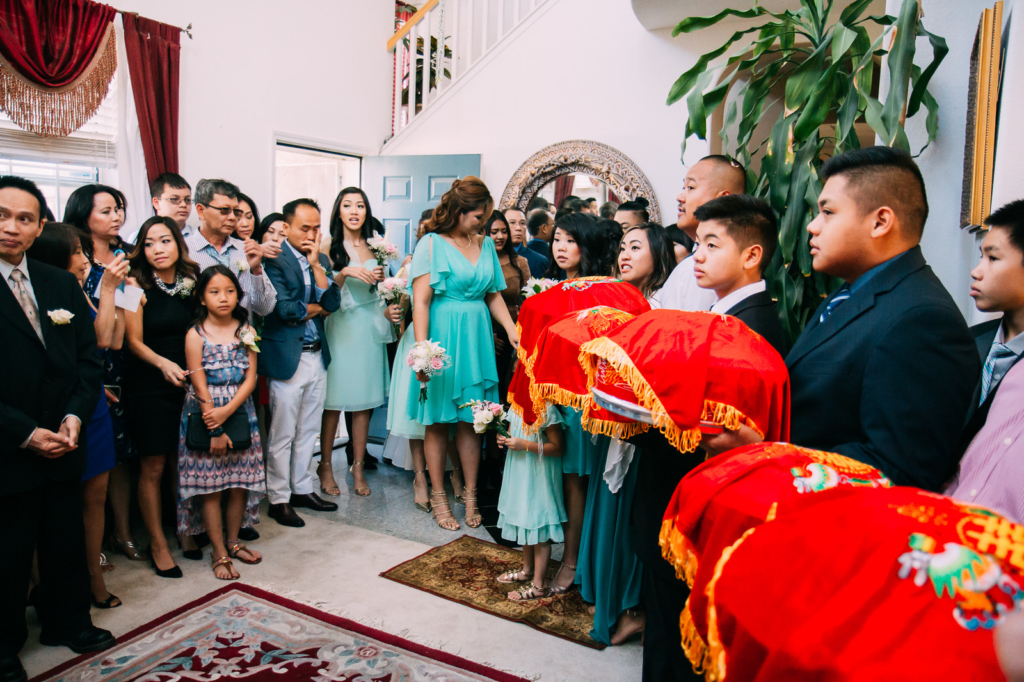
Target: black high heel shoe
[
  {"x": 173, "y": 572},
  {"x": 191, "y": 554}
]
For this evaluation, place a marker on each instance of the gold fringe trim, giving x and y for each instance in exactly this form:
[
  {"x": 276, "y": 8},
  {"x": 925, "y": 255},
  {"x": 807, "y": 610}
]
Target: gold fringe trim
[
  {"x": 715, "y": 672},
  {"x": 771, "y": 512},
  {"x": 678, "y": 551},
  {"x": 58, "y": 112},
  {"x": 693, "y": 644},
  {"x": 684, "y": 440},
  {"x": 613, "y": 429}
]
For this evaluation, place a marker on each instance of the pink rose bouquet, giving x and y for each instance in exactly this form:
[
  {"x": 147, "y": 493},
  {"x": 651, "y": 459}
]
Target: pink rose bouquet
[
  {"x": 487, "y": 416},
  {"x": 430, "y": 358},
  {"x": 391, "y": 290}
]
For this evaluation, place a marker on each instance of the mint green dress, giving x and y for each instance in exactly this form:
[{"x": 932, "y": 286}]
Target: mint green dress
[
  {"x": 531, "y": 508},
  {"x": 400, "y": 424},
  {"x": 461, "y": 322},
  {"x": 358, "y": 334},
  {"x": 582, "y": 448}
]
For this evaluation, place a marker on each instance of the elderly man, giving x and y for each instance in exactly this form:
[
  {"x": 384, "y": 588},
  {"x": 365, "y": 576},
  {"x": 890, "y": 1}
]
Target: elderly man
[
  {"x": 50, "y": 388},
  {"x": 212, "y": 244}
]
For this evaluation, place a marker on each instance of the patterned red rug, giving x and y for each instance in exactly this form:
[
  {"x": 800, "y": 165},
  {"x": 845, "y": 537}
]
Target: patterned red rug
[{"x": 242, "y": 632}]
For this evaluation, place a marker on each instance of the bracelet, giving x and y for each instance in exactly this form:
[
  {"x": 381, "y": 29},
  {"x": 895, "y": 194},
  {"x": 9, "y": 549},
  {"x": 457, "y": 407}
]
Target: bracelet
[{"x": 219, "y": 431}]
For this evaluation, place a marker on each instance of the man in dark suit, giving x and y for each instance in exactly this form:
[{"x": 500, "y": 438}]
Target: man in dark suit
[
  {"x": 294, "y": 357},
  {"x": 517, "y": 231},
  {"x": 541, "y": 227},
  {"x": 52, "y": 381},
  {"x": 884, "y": 371},
  {"x": 736, "y": 239}
]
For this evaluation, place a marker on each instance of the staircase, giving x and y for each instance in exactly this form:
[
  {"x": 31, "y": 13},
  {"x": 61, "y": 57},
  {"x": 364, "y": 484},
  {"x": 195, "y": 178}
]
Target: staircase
[{"x": 440, "y": 44}]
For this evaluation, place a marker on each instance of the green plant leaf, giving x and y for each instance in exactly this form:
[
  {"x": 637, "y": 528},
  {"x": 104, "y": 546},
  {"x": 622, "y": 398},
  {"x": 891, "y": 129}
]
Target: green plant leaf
[
  {"x": 873, "y": 116},
  {"x": 778, "y": 162},
  {"x": 792, "y": 225},
  {"x": 842, "y": 39},
  {"x": 939, "y": 52},
  {"x": 931, "y": 123},
  {"x": 685, "y": 83},
  {"x": 691, "y": 24},
  {"x": 900, "y": 60},
  {"x": 853, "y": 11},
  {"x": 818, "y": 105},
  {"x": 801, "y": 81},
  {"x": 698, "y": 120}
]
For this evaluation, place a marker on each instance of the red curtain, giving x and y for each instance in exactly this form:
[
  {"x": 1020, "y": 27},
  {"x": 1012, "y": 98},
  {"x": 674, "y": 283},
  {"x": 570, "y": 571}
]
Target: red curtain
[
  {"x": 612, "y": 196},
  {"x": 154, "y": 53},
  {"x": 52, "y": 43},
  {"x": 563, "y": 188}
]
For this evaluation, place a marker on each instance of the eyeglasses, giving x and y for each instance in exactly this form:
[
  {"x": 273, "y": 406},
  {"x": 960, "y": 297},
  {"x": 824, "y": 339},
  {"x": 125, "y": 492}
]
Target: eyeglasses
[
  {"x": 225, "y": 210},
  {"x": 184, "y": 201}
]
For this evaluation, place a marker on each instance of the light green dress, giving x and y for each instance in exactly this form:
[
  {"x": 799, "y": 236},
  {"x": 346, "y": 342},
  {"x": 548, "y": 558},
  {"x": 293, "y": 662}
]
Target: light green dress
[
  {"x": 461, "y": 322},
  {"x": 358, "y": 334},
  {"x": 402, "y": 380},
  {"x": 531, "y": 508}
]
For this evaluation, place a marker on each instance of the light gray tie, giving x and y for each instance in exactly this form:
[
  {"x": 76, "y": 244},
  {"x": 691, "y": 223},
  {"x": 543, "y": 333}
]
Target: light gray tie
[{"x": 27, "y": 303}]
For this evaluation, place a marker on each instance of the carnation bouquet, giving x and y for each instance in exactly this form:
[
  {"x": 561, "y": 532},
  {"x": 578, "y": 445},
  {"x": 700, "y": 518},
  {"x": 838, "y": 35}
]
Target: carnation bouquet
[
  {"x": 430, "y": 358},
  {"x": 487, "y": 416},
  {"x": 391, "y": 290},
  {"x": 382, "y": 250},
  {"x": 536, "y": 285}
]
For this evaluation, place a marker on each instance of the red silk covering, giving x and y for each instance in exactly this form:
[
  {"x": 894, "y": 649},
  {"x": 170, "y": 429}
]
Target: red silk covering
[
  {"x": 540, "y": 311},
  {"x": 557, "y": 375},
  {"x": 863, "y": 585},
  {"x": 729, "y": 494},
  {"x": 688, "y": 367},
  {"x": 49, "y": 42}
]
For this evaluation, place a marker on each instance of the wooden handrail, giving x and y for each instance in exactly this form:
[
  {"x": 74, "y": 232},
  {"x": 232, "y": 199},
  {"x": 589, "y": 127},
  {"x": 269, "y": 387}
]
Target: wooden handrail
[{"x": 413, "y": 20}]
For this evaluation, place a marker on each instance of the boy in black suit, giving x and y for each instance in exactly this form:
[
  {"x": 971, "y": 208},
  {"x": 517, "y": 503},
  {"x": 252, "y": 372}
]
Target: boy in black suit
[
  {"x": 52, "y": 380},
  {"x": 736, "y": 239}
]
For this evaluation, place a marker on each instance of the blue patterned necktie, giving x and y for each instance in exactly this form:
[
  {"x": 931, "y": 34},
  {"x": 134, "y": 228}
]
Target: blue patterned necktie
[
  {"x": 841, "y": 295},
  {"x": 999, "y": 351}
]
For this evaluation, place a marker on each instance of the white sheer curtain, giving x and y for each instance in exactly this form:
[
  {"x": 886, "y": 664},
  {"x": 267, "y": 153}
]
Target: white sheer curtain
[{"x": 131, "y": 161}]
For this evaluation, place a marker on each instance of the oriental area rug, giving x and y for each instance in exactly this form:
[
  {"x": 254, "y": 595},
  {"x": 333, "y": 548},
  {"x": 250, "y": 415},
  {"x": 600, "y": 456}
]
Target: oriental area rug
[
  {"x": 244, "y": 633},
  {"x": 464, "y": 571}
]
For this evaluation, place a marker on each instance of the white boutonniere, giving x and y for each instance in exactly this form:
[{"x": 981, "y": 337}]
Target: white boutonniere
[
  {"x": 187, "y": 285},
  {"x": 60, "y": 316},
  {"x": 250, "y": 339},
  {"x": 243, "y": 266}
]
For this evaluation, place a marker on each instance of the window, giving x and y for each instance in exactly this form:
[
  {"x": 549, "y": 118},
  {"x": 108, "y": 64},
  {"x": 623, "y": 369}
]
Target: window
[
  {"x": 56, "y": 180},
  {"x": 314, "y": 173}
]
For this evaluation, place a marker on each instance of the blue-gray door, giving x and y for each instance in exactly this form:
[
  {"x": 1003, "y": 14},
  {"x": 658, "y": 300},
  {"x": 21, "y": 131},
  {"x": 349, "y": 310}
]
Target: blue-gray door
[{"x": 402, "y": 187}]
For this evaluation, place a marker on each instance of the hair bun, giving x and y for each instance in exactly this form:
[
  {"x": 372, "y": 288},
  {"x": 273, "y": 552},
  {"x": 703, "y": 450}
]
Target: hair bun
[
  {"x": 642, "y": 201},
  {"x": 455, "y": 183}
]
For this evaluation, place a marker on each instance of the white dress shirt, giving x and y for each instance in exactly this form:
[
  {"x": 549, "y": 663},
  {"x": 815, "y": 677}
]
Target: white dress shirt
[
  {"x": 681, "y": 291},
  {"x": 260, "y": 296},
  {"x": 724, "y": 304}
]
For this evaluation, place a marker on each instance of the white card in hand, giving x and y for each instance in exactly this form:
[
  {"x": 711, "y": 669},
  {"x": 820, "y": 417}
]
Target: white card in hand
[{"x": 128, "y": 299}]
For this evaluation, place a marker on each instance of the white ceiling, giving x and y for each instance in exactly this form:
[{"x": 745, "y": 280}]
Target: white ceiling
[{"x": 655, "y": 14}]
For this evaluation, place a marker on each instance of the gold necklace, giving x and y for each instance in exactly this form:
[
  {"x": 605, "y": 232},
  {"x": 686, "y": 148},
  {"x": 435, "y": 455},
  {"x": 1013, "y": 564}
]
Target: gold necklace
[{"x": 469, "y": 242}]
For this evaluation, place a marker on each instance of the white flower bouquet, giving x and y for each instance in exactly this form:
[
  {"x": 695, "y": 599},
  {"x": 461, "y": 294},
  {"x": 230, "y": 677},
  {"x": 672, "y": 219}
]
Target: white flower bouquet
[
  {"x": 390, "y": 291},
  {"x": 488, "y": 416},
  {"x": 536, "y": 285},
  {"x": 430, "y": 358},
  {"x": 250, "y": 339},
  {"x": 60, "y": 316},
  {"x": 382, "y": 250}
]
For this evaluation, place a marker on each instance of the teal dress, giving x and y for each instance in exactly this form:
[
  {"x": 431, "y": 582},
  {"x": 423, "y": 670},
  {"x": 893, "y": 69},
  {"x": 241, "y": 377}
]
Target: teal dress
[
  {"x": 582, "y": 448},
  {"x": 461, "y": 322},
  {"x": 608, "y": 571},
  {"x": 531, "y": 509},
  {"x": 358, "y": 334},
  {"x": 400, "y": 424}
]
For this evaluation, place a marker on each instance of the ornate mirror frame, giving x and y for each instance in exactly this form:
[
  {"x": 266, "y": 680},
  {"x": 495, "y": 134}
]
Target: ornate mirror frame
[{"x": 579, "y": 156}]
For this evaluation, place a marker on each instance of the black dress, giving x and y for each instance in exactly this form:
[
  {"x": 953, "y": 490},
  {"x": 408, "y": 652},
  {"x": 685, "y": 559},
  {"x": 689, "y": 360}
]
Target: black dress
[{"x": 153, "y": 404}]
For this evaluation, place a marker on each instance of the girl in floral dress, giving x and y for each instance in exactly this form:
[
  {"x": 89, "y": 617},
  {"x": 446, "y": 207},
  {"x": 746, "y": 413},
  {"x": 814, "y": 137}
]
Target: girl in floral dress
[{"x": 221, "y": 354}]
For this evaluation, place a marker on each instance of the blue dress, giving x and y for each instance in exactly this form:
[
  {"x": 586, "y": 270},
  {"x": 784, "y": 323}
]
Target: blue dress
[
  {"x": 399, "y": 423},
  {"x": 99, "y": 447},
  {"x": 582, "y": 448},
  {"x": 531, "y": 508},
  {"x": 358, "y": 334},
  {"x": 461, "y": 322}
]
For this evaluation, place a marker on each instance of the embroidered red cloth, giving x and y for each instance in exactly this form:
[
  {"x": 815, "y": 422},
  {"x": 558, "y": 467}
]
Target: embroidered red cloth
[
  {"x": 540, "y": 311},
  {"x": 729, "y": 494},
  {"x": 688, "y": 367},
  {"x": 865, "y": 584}
]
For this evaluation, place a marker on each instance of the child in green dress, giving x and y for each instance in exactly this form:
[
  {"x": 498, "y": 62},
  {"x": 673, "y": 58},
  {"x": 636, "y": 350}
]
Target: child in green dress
[{"x": 531, "y": 508}]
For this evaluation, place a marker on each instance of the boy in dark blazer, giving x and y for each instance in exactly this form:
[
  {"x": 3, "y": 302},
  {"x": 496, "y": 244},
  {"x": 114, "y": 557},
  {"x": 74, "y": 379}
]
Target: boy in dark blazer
[
  {"x": 52, "y": 380},
  {"x": 885, "y": 369},
  {"x": 294, "y": 356},
  {"x": 736, "y": 239}
]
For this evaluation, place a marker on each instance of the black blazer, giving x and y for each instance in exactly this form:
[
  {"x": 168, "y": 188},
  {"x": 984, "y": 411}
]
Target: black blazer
[
  {"x": 540, "y": 246},
  {"x": 43, "y": 384},
  {"x": 760, "y": 314},
  {"x": 538, "y": 263},
  {"x": 984, "y": 334},
  {"x": 888, "y": 378}
]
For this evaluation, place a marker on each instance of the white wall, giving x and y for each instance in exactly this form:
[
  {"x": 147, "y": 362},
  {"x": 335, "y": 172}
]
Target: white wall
[
  {"x": 529, "y": 96},
  {"x": 309, "y": 69}
]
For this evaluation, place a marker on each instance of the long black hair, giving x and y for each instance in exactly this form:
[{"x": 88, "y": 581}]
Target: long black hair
[
  {"x": 508, "y": 249},
  {"x": 202, "y": 312},
  {"x": 141, "y": 270},
  {"x": 339, "y": 256},
  {"x": 662, "y": 254},
  {"x": 255, "y": 215},
  {"x": 79, "y": 208},
  {"x": 608, "y": 234},
  {"x": 582, "y": 228},
  {"x": 56, "y": 244}
]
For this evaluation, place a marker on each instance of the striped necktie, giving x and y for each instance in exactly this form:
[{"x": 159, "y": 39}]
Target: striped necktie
[
  {"x": 999, "y": 351},
  {"x": 27, "y": 303},
  {"x": 841, "y": 295}
]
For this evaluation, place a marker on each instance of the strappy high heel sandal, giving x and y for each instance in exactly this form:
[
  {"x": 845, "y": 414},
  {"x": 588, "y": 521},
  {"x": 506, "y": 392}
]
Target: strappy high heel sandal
[
  {"x": 234, "y": 547},
  {"x": 129, "y": 549},
  {"x": 360, "y": 490},
  {"x": 333, "y": 490},
  {"x": 475, "y": 519},
  {"x": 226, "y": 563},
  {"x": 439, "y": 501},
  {"x": 559, "y": 589},
  {"x": 458, "y": 498},
  {"x": 513, "y": 577},
  {"x": 528, "y": 593},
  {"x": 423, "y": 507}
]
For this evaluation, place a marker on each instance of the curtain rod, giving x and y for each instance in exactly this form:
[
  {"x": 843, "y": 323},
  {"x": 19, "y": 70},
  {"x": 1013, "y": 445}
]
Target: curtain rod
[{"x": 187, "y": 30}]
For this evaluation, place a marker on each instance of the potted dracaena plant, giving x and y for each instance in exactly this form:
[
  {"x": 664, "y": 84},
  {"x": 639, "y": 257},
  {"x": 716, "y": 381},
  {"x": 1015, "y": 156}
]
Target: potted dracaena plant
[{"x": 827, "y": 66}]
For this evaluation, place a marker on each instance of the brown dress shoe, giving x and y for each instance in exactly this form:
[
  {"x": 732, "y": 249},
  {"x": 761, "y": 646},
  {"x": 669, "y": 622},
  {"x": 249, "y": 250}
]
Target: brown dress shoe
[
  {"x": 285, "y": 515},
  {"x": 314, "y": 502}
]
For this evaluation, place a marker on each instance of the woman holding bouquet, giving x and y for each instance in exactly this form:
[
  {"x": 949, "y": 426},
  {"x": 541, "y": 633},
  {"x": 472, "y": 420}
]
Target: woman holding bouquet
[
  {"x": 155, "y": 380},
  {"x": 457, "y": 284},
  {"x": 358, "y": 335}
]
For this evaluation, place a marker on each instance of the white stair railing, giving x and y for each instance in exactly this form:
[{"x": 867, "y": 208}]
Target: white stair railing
[{"x": 439, "y": 44}]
